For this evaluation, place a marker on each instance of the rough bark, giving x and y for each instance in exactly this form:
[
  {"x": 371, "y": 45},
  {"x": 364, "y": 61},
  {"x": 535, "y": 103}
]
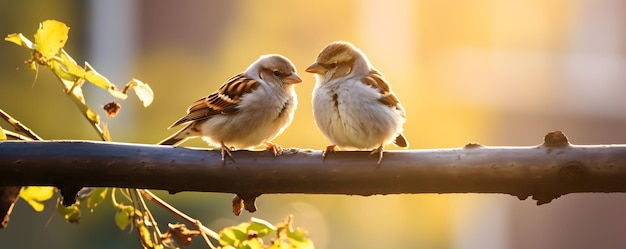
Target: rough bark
[{"x": 544, "y": 172}]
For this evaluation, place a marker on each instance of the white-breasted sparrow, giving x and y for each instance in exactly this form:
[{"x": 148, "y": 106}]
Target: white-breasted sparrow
[
  {"x": 249, "y": 109},
  {"x": 353, "y": 104}
]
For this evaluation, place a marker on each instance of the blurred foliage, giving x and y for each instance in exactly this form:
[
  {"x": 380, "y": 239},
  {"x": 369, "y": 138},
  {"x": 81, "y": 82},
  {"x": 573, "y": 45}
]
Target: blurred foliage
[
  {"x": 70, "y": 213},
  {"x": 248, "y": 235},
  {"x": 35, "y": 196},
  {"x": 47, "y": 50},
  {"x": 97, "y": 196}
]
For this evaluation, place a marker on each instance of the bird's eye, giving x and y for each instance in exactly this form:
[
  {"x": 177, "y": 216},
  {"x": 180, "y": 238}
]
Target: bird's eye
[
  {"x": 333, "y": 65},
  {"x": 276, "y": 73}
]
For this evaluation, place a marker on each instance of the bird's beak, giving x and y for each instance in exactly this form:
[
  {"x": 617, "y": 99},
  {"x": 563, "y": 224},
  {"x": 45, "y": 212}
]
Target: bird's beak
[
  {"x": 315, "y": 68},
  {"x": 292, "y": 79}
]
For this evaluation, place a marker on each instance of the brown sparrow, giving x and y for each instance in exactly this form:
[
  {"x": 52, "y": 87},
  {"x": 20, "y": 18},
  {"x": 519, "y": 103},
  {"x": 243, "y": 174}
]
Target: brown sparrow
[
  {"x": 249, "y": 109},
  {"x": 353, "y": 104}
]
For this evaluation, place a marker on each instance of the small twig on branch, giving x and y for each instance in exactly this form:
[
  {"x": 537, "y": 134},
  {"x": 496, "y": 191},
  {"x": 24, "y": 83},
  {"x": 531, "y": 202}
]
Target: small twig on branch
[
  {"x": 150, "y": 196},
  {"x": 544, "y": 172},
  {"x": 8, "y": 197},
  {"x": 18, "y": 126},
  {"x": 16, "y": 136},
  {"x": 9, "y": 194}
]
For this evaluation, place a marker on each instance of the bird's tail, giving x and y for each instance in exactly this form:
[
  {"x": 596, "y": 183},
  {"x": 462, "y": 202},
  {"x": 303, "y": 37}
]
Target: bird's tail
[
  {"x": 178, "y": 137},
  {"x": 401, "y": 141},
  {"x": 172, "y": 140}
]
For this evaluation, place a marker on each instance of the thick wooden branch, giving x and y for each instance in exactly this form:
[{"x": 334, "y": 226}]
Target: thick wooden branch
[{"x": 544, "y": 172}]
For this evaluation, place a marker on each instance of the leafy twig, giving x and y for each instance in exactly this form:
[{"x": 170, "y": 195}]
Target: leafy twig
[{"x": 47, "y": 50}]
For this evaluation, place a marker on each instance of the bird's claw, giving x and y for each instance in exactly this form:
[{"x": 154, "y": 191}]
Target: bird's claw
[
  {"x": 378, "y": 151},
  {"x": 330, "y": 148},
  {"x": 275, "y": 148},
  {"x": 226, "y": 152}
]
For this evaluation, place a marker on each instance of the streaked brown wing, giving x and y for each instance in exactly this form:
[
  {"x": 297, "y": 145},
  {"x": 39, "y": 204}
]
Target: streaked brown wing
[
  {"x": 378, "y": 81},
  {"x": 388, "y": 98},
  {"x": 223, "y": 101}
]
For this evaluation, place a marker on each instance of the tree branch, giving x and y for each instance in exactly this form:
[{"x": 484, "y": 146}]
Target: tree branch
[{"x": 544, "y": 172}]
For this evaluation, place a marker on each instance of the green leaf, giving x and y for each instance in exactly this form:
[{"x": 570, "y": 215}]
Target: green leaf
[
  {"x": 227, "y": 237},
  {"x": 249, "y": 235},
  {"x": 255, "y": 243},
  {"x": 50, "y": 38},
  {"x": 290, "y": 238},
  {"x": 234, "y": 235},
  {"x": 123, "y": 216},
  {"x": 71, "y": 214},
  {"x": 298, "y": 239},
  {"x": 36, "y": 196},
  {"x": 97, "y": 196},
  {"x": 20, "y": 39},
  {"x": 262, "y": 227}
]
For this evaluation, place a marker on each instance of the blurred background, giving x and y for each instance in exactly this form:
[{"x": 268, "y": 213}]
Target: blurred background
[{"x": 490, "y": 72}]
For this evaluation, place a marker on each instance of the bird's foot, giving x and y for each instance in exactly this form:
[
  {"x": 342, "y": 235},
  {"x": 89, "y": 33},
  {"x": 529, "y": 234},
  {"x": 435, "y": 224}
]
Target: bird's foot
[
  {"x": 378, "y": 151},
  {"x": 330, "y": 148},
  {"x": 275, "y": 148},
  {"x": 226, "y": 152}
]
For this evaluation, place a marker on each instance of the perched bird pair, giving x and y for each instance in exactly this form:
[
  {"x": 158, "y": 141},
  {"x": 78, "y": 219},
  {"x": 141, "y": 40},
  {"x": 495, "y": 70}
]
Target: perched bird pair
[{"x": 353, "y": 105}]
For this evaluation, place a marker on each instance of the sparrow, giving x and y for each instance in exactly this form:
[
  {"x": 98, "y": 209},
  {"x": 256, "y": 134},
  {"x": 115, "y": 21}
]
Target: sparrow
[
  {"x": 353, "y": 104},
  {"x": 249, "y": 109}
]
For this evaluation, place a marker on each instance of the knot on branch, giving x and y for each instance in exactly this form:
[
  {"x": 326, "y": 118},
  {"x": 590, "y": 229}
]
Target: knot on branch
[
  {"x": 472, "y": 146},
  {"x": 244, "y": 201},
  {"x": 572, "y": 173},
  {"x": 69, "y": 194},
  {"x": 555, "y": 139}
]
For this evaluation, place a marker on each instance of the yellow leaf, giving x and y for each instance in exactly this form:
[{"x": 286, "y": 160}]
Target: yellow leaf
[
  {"x": 33, "y": 66},
  {"x": 51, "y": 37},
  {"x": 36, "y": 196},
  {"x": 20, "y": 39},
  {"x": 2, "y": 135},
  {"x": 253, "y": 243},
  {"x": 105, "y": 133},
  {"x": 65, "y": 67},
  {"x": 144, "y": 236},
  {"x": 91, "y": 115},
  {"x": 62, "y": 71},
  {"x": 143, "y": 91},
  {"x": 116, "y": 93},
  {"x": 97, "y": 79},
  {"x": 79, "y": 99}
]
